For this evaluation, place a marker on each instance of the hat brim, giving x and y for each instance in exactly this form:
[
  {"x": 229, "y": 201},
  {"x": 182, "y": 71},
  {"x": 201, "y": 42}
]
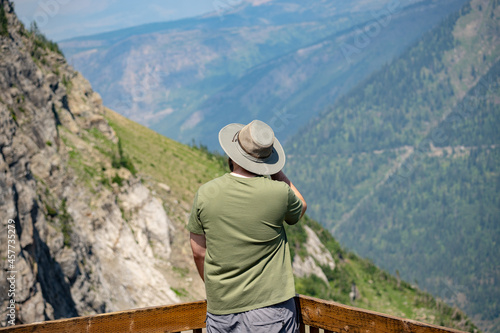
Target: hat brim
[{"x": 267, "y": 166}]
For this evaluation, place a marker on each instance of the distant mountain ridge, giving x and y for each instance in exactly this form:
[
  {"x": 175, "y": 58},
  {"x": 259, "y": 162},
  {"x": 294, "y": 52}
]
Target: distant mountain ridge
[
  {"x": 289, "y": 90},
  {"x": 281, "y": 61}
]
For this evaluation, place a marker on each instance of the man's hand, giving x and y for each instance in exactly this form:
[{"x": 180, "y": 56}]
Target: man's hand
[
  {"x": 280, "y": 176},
  {"x": 199, "y": 247}
]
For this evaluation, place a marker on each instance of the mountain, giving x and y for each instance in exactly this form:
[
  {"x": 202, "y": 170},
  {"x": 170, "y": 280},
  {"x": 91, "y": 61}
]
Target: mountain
[
  {"x": 90, "y": 237},
  {"x": 97, "y": 205},
  {"x": 278, "y": 61},
  {"x": 403, "y": 168}
]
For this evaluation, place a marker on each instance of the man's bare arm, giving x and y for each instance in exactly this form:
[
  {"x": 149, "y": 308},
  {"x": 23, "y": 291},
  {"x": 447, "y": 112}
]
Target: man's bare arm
[
  {"x": 280, "y": 176},
  {"x": 199, "y": 248}
]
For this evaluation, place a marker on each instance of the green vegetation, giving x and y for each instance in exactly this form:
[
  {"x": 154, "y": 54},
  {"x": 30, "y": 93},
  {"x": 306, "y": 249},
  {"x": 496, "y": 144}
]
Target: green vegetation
[
  {"x": 65, "y": 221},
  {"x": 94, "y": 146},
  {"x": 449, "y": 205},
  {"x": 117, "y": 180},
  {"x": 4, "y": 24},
  {"x": 41, "y": 42},
  {"x": 67, "y": 84},
  {"x": 357, "y": 140},
  {"x": 474, "y": 121},
  {"x": 40, "y": 45},
  {"x": 183, "y": 272},
  {"x": 58, "y": 217},
  {"x": 122, "y": 160},
  {"x": 12, "y": 114},
  {"x": 51, "y": 211},
  {"x": 405, "y": 168},
  {"x": 181, "y": 292},
  {"x": 377, "y": 290}
]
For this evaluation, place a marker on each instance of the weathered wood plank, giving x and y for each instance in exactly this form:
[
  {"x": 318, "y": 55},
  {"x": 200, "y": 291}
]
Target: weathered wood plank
[
  {"x": 171, "y": 318},
  {"x": 341, "y": 318},
  {"x": 317, "y": 313}
]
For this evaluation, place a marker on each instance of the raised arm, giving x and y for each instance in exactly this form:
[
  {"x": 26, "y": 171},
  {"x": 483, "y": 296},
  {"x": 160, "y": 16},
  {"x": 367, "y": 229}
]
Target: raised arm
[{"x": 280, "y": 176}]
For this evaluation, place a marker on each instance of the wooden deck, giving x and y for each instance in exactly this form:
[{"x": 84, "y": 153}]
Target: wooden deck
[{"x": 316, "y": 315}]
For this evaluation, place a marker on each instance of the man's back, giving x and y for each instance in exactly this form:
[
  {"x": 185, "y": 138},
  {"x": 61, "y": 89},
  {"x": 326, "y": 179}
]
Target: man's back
[
  {"x": 237, "y": 236},
  {"x": 247, "y": 263}
]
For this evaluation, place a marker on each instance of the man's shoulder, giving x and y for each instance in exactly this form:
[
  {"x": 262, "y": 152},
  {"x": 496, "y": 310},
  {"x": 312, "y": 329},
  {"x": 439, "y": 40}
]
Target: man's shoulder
[
  {"x": 213, "y": 185},
  {"x": 274, "y": 188},
  {"x": 277, "y": 184}
]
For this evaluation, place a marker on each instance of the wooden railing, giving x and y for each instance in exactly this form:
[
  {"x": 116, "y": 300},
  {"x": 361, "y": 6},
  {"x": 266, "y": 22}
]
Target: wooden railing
[{"x": 315, "y": 313}]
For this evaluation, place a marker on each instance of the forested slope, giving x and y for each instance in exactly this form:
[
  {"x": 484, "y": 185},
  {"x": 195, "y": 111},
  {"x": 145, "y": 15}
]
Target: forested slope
[
  {"x": 448, "y": 205},
  {"x": 404, "y": 168}
]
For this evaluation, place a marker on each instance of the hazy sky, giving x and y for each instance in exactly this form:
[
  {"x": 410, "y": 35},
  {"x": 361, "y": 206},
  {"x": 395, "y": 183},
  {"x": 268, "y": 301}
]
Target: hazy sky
[{"x": 61, "y": 19}]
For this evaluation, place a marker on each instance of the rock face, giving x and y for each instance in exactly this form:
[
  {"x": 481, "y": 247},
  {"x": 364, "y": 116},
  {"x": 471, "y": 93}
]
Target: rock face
[
  {"x": 318, "y": 256},
  {"x": 80, "y": 248}
]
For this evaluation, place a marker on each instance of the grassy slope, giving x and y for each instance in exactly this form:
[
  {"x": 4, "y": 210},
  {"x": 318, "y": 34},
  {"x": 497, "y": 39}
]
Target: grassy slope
[
  {"x": 166, "y": 161},
  {"x": 184, "y": 168}
]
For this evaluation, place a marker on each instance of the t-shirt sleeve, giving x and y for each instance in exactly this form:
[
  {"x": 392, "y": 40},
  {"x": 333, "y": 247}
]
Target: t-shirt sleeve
[
  {"x": 294, "y": 208},
  {"x": 194, "y": 224}
]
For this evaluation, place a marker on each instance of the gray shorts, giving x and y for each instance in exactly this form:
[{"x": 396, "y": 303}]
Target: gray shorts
[{"x": 278, "y": 318}]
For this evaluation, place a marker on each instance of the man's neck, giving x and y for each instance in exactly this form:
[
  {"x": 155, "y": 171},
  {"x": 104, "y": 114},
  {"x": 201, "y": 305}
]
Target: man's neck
[
  {"x": 240, "y": 172},
  {"x": 238, "y": 175}
]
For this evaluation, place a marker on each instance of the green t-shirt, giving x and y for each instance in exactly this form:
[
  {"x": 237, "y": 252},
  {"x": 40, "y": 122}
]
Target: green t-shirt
[{"x": 247, "y": 262}]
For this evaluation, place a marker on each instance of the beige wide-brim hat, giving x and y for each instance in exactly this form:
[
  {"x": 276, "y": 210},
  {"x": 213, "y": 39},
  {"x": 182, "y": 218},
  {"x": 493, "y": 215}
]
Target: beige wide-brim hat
[{"x": 253, "y": 147}]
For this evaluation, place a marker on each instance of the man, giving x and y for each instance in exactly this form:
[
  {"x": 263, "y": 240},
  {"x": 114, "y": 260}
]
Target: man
[{"x": 238, "y": 238}]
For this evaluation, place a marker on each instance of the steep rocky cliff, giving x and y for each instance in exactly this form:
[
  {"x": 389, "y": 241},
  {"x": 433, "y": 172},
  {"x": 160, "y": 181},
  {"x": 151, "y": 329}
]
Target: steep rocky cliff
[{"x": 80, "y": 247}]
